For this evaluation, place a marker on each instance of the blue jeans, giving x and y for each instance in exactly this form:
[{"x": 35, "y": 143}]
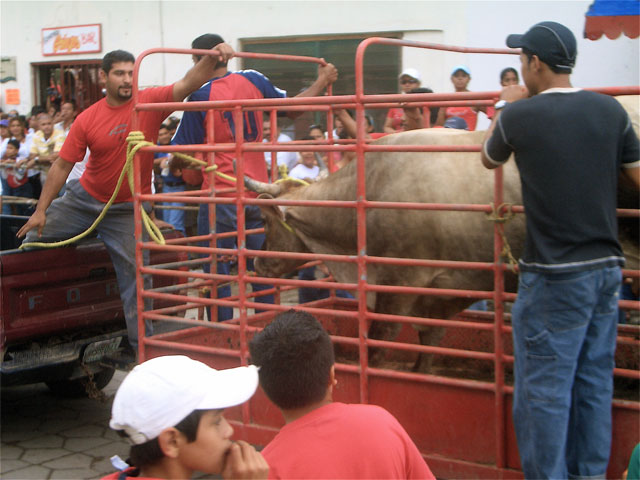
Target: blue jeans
[
  {"x": 310, "y": 294},
  {"x": 226, "y": 221},
  {"x": 174, "y": 217},
  {"x": 72, "y": 214},
  {"x": 24, "y": 191},
  {"x": 564, "y": 335}
]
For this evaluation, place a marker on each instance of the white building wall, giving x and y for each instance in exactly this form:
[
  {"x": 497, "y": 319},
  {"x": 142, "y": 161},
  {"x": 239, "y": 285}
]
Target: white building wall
[{"x": 137, "y": 26}]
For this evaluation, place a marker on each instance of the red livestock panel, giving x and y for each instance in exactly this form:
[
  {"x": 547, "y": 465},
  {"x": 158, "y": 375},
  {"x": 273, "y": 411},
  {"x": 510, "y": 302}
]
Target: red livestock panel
[{"x": 459, "y": 415}]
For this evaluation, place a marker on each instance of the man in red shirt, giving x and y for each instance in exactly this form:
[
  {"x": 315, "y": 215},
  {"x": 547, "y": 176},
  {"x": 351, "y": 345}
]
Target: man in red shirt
[
  {"x": 103, "y": 128},
  {"x": 323, "y": 438}
]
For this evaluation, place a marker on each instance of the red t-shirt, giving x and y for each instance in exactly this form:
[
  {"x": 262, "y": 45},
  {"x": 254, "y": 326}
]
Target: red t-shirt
[
  {"x": 130, "y": 472},
  {"x": 104, "y": 129},
  {"x": 246, "y": 84},
  {"x": 470, "y": 116},
  {"x": 345, "y": 441},
  {"x": 396, "y": 114}
]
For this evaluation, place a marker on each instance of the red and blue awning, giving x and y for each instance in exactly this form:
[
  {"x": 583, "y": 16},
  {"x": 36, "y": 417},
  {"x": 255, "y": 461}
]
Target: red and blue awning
[{"x": 611, "y": 18}]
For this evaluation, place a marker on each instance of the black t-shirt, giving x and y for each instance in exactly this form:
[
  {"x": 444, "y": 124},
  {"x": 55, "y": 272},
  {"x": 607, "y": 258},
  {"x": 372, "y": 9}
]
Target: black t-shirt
[{"x": 569, "y": 146}]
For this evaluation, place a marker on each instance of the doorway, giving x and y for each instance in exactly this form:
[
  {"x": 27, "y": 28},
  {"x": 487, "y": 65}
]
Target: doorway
[{"x": 58, "y": 82}]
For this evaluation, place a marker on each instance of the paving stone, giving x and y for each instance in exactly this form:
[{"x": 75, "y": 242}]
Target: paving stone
[
  {"x": 34, "y": 472},
  {"x": 84, "y": 444},
  {"x": 77, "y": 460},
  {"x": 21, "y": 423},
  {"x": 112, "y": 435},
  {"x": 62, "y": 413},
  {"x": 95, "y": 418},
  {"x": 103, "y": 467},
  {"x": 57, "y": 425},
  {"x": 108, "y": 450},
  {"x": 43, "y": 441},
  {"x": 37, "y": 456},
  {"x": 84, "y": 431},
  {"x": 74, "y": 474},
  {"x": 10, "y": 452},
  {"x": 13, "y": 435},
  {"x": 9, "y": 465}
]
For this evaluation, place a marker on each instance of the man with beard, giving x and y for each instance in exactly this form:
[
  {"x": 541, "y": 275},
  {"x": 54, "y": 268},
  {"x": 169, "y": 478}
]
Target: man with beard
[{"x": 103, "y": 128}]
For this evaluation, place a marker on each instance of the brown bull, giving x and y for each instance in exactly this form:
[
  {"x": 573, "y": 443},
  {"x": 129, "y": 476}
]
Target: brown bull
[{"x": 437, "y": 235}]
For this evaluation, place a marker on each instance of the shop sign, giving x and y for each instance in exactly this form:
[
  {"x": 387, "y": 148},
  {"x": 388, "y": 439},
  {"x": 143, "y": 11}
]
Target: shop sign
[{"x": 77, "y": 39}]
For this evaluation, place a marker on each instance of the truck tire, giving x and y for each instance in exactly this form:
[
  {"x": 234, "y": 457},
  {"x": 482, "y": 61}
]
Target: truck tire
[{"x": 78, "y": 386}]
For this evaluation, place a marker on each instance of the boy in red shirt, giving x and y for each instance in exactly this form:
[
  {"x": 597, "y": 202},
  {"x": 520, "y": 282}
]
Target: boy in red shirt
[{"x": 323, "y": 438}]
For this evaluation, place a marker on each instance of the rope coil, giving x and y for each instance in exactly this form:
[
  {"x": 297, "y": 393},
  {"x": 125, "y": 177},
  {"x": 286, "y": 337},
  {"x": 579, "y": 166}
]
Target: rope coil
[
  {"x": 498, "y": 217},
  {"x": 135, "y": 141}
]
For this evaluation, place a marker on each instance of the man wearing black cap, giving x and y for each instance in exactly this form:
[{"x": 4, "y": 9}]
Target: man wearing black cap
[{"x": 570, "y": 146}]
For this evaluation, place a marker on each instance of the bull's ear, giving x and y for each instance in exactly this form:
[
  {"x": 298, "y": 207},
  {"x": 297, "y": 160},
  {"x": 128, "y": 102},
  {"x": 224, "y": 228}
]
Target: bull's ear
[{"x": 271, "y": 210}]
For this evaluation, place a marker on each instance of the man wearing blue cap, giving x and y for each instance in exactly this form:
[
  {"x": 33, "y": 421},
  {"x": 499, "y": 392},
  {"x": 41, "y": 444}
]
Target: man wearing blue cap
[
  {"x": 570, "y": 146},
  {"x": 460, "y": 78}
]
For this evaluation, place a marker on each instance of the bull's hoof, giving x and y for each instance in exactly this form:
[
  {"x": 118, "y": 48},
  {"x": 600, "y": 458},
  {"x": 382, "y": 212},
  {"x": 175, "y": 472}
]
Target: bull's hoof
[{"x": 423, "y": 364}]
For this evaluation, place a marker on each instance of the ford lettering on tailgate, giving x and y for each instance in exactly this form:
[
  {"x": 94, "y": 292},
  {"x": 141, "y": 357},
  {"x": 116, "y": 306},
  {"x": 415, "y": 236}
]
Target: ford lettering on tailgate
[{"x": 60, "y": 297}]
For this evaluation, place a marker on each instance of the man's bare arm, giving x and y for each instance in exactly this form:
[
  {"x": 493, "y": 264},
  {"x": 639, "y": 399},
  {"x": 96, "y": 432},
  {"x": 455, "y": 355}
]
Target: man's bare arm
[
  {"x": 201, "y": 72},
  {"x": 510, "y": 94},
  {"x": 632, "y": 175},
  {"x": 56, "y": 178},
  {"x": 327, "y": 74}
]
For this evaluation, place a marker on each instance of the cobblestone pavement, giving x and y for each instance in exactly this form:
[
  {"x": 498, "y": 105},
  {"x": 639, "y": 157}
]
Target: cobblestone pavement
[{"x": 47, "y": 437}]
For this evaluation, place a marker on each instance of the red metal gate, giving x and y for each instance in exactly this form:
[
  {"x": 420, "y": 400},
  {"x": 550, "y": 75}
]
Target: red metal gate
[{"x": 462, "y": 426}]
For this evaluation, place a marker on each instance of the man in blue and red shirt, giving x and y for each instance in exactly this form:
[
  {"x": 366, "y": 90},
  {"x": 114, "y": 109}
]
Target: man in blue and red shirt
[{"x": 225, "y": 85}]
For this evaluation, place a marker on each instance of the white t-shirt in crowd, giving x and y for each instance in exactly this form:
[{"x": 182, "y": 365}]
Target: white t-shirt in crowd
[
  {"x": 301, "y": 171},
  {"x": 284, "y": 158}
]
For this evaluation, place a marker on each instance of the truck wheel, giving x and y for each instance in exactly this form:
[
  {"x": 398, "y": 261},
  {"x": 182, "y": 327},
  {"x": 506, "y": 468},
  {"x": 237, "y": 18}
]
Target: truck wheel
[{"x": 78, "y": 386}]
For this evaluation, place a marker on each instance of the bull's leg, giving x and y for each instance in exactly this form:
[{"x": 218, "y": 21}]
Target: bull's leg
[
  {"x": 428, "y": 336},
  {"x": 432, "y": 336},
  {"x": 381, "y": 331},
  {"x": 392, "y": 304}
]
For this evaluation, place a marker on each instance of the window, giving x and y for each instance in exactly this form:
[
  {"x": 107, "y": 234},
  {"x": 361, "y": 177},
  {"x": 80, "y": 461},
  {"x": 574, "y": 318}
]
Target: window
[{"x": 381, "y": 68}]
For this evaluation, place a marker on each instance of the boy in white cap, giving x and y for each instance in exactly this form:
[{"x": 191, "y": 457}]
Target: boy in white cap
[
  {"x": 408, "y": 80},
  {"x": 171, "y": 409}
]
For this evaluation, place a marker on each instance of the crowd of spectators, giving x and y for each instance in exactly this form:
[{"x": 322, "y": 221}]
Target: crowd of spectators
[{"x": 39, "y": 137}]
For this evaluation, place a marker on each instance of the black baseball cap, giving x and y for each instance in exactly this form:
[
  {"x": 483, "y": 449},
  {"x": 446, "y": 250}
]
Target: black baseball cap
[
  {"x": 552, "y": 42},
  {"x": 206, "y": 41}
]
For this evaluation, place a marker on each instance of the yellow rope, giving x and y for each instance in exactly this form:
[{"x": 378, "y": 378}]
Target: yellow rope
[
  {"x": 284, "y": 176},
  {"x": 495, "y": 216},
  {"x": 207, "y": 169},
  {"x": 135, "y": 142}
]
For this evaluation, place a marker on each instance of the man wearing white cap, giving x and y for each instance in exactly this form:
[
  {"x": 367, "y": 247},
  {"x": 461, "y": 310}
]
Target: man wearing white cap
[
  {"x": 171, "y": 409},
  {"x": 408, "y": 79}
]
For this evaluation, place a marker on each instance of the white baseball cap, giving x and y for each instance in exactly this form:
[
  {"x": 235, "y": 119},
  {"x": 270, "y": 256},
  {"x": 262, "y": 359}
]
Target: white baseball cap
[
  {"x": 163, "y": 391},
  {"x": 410, "y": 72}
]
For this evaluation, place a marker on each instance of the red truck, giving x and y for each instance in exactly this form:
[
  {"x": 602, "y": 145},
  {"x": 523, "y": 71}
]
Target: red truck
[{"x": 60, "y": 312}]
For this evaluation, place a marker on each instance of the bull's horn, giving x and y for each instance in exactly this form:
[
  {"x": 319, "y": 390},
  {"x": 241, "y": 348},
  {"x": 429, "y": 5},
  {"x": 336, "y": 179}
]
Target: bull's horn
[{"x": 261, "y": 187}]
